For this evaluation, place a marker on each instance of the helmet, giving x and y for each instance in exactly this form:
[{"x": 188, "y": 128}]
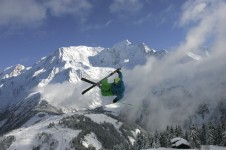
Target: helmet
[{"x": 116, "y": 80}]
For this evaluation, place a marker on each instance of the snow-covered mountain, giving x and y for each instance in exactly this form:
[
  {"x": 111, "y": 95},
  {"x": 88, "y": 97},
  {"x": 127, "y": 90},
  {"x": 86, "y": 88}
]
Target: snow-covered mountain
[
  {"x": 46, "y": 100},
  {"x": 68, "y": 64},
  {"x": 79, "y": 130},
  {"x": 19, "y": 97}
]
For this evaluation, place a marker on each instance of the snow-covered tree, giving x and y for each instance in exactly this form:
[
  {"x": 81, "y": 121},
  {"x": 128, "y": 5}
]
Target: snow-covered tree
[
  {"x": 194, "y": 137},
  {"x": 150, "y": 140},
  {"x": 156, "y": 143},
  {"x": 210, "y": 134},
  {"x": 179, "y": 131},
  {"x": 142, "y": 141},
  {"x": 203, "y": 135},
  {"x": 218, "y": 135},
  {"x": 163, "y": 139},
  {"x": 186, "y": 135},
  {"x": 223, "y": 143}
]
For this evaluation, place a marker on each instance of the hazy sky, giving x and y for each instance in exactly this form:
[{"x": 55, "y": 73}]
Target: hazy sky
[{"x": 31, "y": 29}]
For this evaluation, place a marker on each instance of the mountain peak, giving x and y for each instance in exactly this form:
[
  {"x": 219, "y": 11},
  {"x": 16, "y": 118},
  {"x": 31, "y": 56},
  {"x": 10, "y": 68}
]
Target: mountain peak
[
  {"x": 76, "y": 53},
  {"x": 124, "y": 43},
  {"x": 12, "y": 71},
  {"x": 146, "y": 48}
]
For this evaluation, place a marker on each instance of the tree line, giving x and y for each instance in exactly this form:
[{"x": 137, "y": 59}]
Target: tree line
[{"x": 207, "y": 134}]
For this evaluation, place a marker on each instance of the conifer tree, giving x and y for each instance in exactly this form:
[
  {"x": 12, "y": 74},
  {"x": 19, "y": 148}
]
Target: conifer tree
[
  {"x": 163, "y": 139},
  {"x": 150, "y": 140},
  {"x": 142, "y": 141},
  {"x": 203, "y": 133},
  {"x": 156, "y": 143},
  {"x": 218, "y": 136},
  {"x": 194, "y": 137},
  {"x": 223, "y": 142},
  {"x": 178, "y": 131},
  {"x": 210, "y": 134}
]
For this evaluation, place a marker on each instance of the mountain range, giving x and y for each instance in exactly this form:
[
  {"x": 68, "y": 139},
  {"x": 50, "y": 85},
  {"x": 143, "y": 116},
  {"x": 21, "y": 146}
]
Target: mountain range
[{"x": 41, "y": 107}]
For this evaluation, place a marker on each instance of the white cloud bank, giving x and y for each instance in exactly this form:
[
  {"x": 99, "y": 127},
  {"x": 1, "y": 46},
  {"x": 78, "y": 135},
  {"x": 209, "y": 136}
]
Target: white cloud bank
[
  {"x": 33, "y": 12},
  {"x": 208, "y": 18},
  {"x": 68, "y": 96},
  {"x": 172, "y": 90}
]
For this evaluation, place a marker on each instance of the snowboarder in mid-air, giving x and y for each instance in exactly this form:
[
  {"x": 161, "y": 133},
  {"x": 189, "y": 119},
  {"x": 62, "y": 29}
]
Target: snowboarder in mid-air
[{"x": 116, "y": 88}]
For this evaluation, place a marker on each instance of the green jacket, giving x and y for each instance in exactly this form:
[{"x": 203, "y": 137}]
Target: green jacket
[
  {"x": 111, "y": 89},
  {"x": 106, "y": 88}
]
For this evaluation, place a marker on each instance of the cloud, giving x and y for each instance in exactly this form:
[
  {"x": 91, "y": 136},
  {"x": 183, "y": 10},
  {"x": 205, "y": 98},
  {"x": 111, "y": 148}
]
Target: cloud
[
  {"x": 172, "y": 90},
  {"x": 34, "y": 12},
  {"x": 67, "y": 95},
  {"x": 21, "y": 12},
  {"x": 25, "y": 59},
  {"x": 208, "y": 18},
  {"x": 97, "y": 26},
  {"x": 125, "y": 7},
  {"x": 148, "y": 18},
  {"x": 164, "y": 16},
  {"x": 194, "y": 10},
  {"x": 68, "y": 7}
]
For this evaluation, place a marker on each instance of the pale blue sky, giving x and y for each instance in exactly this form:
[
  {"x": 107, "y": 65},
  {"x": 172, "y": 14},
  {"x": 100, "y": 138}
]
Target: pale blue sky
[{"x": 31, "y": 29}]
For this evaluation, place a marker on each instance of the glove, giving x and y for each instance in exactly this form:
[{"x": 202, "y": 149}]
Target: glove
[
  {"x": 99, "y": 85},
  {"x": 115, "y": 100}
]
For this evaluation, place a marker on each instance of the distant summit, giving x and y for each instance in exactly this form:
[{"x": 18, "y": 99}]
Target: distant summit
[{"x": 12, "y": 71}]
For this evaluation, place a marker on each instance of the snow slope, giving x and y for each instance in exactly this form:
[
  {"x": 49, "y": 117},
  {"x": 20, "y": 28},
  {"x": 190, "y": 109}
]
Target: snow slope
[
  {"x": 34, "y": 134},
  {"x": 73, "y": 130}
]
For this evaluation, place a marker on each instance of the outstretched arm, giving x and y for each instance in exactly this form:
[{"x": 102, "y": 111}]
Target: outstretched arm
[{"x": 120, "y": 75}]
